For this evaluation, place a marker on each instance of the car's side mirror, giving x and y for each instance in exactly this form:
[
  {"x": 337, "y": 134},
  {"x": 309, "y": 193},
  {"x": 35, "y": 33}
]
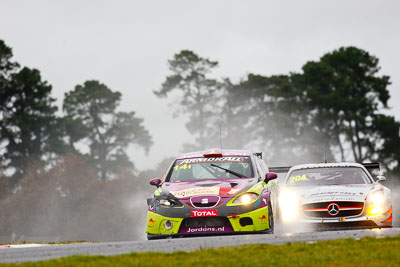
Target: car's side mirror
[
  {"x": 381, "y": 178},
  {"x": 270, "y": 176},
  {"x": 155, "y": 182}
]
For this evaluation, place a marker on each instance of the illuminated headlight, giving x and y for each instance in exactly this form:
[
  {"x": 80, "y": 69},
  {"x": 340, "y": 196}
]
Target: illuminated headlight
[
  {"x": 288, "y": 203},
  {"x": 246, "y": 198},
  {"x": 378, "y": 198},
  {"x": 377, "y": 203}
]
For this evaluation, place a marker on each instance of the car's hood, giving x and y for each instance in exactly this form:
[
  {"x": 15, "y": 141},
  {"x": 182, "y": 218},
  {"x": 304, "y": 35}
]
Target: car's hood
[
  {"x": 224, "y": 188},
  {"x": 312, "y": 194}
]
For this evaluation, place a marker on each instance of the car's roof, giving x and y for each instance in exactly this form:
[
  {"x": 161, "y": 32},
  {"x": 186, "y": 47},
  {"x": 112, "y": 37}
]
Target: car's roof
[
  {"x": 225, "y": 153},
  {"x": 326, "y": 165}
]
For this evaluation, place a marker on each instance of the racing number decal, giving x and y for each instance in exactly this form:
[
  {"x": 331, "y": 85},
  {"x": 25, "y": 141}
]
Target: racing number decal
[
  {"x": 297, "y": 178},
  {"x": 184, "y": 167}
]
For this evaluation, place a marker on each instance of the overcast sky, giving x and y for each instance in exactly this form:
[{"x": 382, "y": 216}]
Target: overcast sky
[{"x": 126, "y": 45}]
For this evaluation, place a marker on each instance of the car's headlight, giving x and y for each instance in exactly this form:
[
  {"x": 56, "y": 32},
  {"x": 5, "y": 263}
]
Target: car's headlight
[
  {"x": 165, "y": 202},
  {"x": 245, "y": 198},
  {"x": 377, "y": 203},
  {"x": 289, "y": 205},
  {"x": 377, "y": 198}
]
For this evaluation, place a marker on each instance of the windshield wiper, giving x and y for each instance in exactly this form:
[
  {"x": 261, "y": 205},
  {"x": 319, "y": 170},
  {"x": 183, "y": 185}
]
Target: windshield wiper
[{"x": 232, "y": 172}]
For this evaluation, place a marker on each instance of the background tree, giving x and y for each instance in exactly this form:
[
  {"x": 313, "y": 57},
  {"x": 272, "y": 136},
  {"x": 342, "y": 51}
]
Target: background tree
[
  {"x": 333, "y": 108},
  {"x": 198, "y": 96},
  {"x": 346, "y": 94},
  {"x": 270, "y": 116},
  {"x": 7, "y": 67},
  {"x": 91, "y": 116},
  {"x": 387, "y": 131},
  {"x": 28, "y": 125}
]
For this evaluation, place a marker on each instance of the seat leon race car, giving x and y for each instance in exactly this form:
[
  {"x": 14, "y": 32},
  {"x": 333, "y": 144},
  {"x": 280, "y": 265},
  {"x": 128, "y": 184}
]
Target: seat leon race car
[
  {"x": 334, "y": 195},
  {"x": 211, "y": 193}
]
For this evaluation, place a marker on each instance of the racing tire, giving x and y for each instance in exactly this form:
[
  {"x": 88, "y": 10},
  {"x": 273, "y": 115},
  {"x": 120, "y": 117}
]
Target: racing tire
[{"x": 271, "y": 221}]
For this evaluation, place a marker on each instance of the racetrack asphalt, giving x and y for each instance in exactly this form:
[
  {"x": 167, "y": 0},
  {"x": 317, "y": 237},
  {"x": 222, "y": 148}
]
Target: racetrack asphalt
[{"x": 25, "y": 254}]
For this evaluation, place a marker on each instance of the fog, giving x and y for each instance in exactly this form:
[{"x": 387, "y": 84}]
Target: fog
[
  {"x": 70, "y": 203},
  {"x": 126, "y": 45}
]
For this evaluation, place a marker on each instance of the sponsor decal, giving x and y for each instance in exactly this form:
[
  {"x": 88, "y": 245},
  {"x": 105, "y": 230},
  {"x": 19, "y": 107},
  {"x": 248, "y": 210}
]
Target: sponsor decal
[
  {"x": 338, "y": 193},
  {"x": 263, "y": 219},
  {"x": 326, "y": 199},
  {"x": 211, "y": 160},
  {"x": 224, "y": 190},
  {"x": 204, "y": 213},
  {"x": 205, "y": 229},
  {"x": 233, "y": 191},
  {"x": 198, "y": 191},
  {"x": 151, "y": 222}
]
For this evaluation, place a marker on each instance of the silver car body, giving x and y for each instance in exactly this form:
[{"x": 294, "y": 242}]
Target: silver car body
[{"x": 366, "y": 205}]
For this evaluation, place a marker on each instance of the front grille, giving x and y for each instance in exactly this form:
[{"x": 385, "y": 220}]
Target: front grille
[
  {"x": 205, "y": 202},
  {"x": 205, "y": 221},
  {"x": 328, "y": 209},
  {"x": 205, "y": 205}
]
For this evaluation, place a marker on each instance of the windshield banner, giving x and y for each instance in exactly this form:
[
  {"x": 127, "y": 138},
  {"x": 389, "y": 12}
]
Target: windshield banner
[
  {"x": 211, "y": 160},
  {"x": 198, "y": 191}
]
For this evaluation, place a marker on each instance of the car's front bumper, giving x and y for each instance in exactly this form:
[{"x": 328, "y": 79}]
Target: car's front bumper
[
  {"x": 359, "y": 222},
  {"x": 259, "y": 223}
]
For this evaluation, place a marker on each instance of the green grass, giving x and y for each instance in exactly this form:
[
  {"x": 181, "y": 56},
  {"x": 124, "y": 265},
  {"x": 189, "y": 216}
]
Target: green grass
[{"x": 344, "y": 252}]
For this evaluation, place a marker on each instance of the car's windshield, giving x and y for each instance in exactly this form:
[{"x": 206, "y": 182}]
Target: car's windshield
[
  {"x": 328, "y": 176},
  {"x": 211, "y": 168}
]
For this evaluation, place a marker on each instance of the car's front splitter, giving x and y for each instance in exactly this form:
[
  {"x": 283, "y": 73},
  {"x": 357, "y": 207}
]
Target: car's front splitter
[{"x": 162, "y": 236}]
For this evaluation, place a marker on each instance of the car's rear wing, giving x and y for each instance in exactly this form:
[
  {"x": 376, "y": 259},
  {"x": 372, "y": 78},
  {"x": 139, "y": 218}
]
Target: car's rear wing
[
  {"x": 280, "y": 169},
  {"x": 369, "y": 166}
]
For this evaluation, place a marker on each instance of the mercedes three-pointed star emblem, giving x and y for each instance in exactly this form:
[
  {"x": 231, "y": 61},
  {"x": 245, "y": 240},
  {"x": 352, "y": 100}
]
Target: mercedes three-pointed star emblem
[{"x": 333, "y": 209}]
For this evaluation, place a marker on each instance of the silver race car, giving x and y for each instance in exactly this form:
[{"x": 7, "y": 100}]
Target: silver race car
[{"x": 334, "y": 195}]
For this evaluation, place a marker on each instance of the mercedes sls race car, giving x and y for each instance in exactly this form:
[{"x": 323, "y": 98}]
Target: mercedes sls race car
[
  {"x": 334, "y": 195},
  {"x": 211, "y": 193}
]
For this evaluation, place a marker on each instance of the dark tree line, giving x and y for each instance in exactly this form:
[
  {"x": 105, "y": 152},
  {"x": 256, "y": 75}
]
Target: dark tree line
[
  {"x": 30, "y": 130},
  {"x": 332, "y": 109}
]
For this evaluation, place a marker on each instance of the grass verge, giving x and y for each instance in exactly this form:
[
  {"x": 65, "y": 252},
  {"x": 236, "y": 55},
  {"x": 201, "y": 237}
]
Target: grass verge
[{"x": 343, "y": 252}]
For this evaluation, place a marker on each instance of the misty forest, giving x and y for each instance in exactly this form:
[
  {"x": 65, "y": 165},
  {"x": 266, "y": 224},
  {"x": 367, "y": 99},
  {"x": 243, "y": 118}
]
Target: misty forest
[{"x": 65, "y": 173}]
